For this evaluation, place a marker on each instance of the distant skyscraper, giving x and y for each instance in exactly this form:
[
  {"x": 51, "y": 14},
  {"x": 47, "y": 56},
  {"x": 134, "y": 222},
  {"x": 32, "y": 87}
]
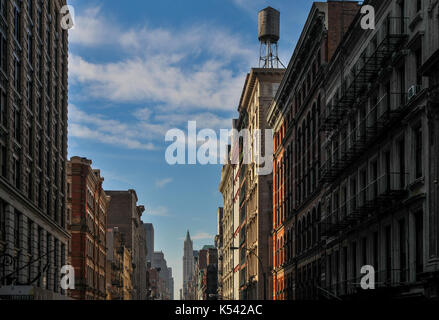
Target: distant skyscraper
[
  {"x": 149, "y": 228},
  {"x": 188, "y": 263}
]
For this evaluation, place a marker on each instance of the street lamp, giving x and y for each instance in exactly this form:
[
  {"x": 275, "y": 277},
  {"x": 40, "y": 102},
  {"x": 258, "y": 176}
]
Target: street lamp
[{"x": 261, "y": 265}]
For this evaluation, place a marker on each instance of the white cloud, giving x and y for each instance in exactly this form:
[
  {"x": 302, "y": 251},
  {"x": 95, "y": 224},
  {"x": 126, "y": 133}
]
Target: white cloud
[
  {"x": 158, "y": 212},
  {"x": 202, "y": 236},
  {"x": 184, "y": 68},
  {"x": 163, "y": 182},
  {"x": 196, "y": 73},
  {"x": 95, "y": 127}
]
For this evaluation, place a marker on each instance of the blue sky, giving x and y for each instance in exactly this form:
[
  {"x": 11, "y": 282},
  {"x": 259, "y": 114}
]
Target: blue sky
[{"x": 137, "y": 70}]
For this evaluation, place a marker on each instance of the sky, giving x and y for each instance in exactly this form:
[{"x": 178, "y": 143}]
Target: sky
[{"x": 140, "y": 68}]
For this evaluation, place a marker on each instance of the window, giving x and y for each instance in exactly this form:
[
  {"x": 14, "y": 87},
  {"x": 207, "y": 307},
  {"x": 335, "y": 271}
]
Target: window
[
  {"x": 17, "y": 236},
  {"x": 17, "y": 125},
  {"x": 30, "y": 233},
  {"x": 418, "y": 152},
  {"x": 29, "y": 185},
  {"x": 388, "y": 247},
  {"x": 418, "y": 55},
  {"x": 402, "y": 251},
  {"x": 3, "y": 52},
  {"x": 49, "y": 261},
  {"x": 3, "y": 7},
  {"x": 375, "y": 251},
  {"x": 29, "y": 88},
  {"x": 3, "y": 108},
  {"x": 364, "y": 251},
  {"x": 29, "y": 46},
  {"x": 354, "y": 260},
  {"x": 17, "y": 173},
  {"x": 419, "y": 243},
  {"x": 3, "y": 160},
  {"x": 418, "y": 5},
  {"x": 401, "y": 154},
  {"x": 17, "y": 73},
  {"x": 17, "y": 24},
  {"x": 2, "y": 221}
]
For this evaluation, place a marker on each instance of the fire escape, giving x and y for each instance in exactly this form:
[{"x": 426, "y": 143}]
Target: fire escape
[{"x": 374, "y": 197}]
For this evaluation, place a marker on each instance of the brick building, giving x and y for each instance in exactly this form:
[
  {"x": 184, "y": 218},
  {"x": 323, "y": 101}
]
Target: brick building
[
  {"x": 125, "y": 214},
  {"x": 355, "y": 179},
  {"x": 297, "y": 145},
  {"x": 88, "y": 205},
  {"x": 33, "y": 144}
]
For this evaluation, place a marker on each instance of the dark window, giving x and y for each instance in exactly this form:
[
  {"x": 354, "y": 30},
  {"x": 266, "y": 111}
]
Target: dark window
[
  {"x": 418, "y": 55},
  {"x": 401, "y": 151},
  {"x": 418, "y": 5},
  {"x": 3, "y": 7},
  {"x": 17, "y": 74},
  {"x": 364, "y": 251},
  {"x": 17, "y": 173},
  {"x": 345, "y": 266},
  {"x": 49, "y": 261},
  {"x": 29, "y": 47},
  {"x": 17, "y": 125},
  {"x": 29, "y": 185},
  {"x": 17, "y": 238},
  {"x": 402, "y": 250},
  {"x": 418, "y": 152},
  {"x": 30, "y": 247},
  {"x": 419, "y": 245},
  {"x": 388, "y": 246},
  {"x": 3, "y": 52},
  {"x": 2, "y": 221},
  {"x": 354, "y": 260},
  {"x": 375, "y": 251},
  {"x": 3, "y": 160},
  {"x": 3, "y": 108},
  {"x": 17, "y": 24}
]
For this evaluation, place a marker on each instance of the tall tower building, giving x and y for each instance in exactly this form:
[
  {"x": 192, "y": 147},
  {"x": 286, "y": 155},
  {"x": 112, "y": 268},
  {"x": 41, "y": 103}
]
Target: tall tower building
[
  {"x": 188, "y": 263},
  {"x": 33, "y": 147},
  {"x": 149, "y": 228}
]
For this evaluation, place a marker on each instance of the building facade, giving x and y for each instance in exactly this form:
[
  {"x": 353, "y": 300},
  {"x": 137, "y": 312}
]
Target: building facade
[
  {"x": 255, "y": 190},
  {"x": 229, "y": 187},
  {"x": 33, "y": 145},
  {"x": 149, "y": 230},
  {"x": 219, "y": 248},
  {"x": 188, "y": 264},
  {"x": 128, "y": 290},
  {"x": 115, "y": 264},
  {"x": 166, "y": 281},
  {"x": 380, "y": 155},
  {"x": 88, "y": 225},
  {"x": 294, "y": 113},
  {"x": 355, "y": 179},
  {"x": 125, "y": 214}
]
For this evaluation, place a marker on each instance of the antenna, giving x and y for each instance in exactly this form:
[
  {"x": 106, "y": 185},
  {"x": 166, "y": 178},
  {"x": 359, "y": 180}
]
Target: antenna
[{"x": 268, "y": 34}]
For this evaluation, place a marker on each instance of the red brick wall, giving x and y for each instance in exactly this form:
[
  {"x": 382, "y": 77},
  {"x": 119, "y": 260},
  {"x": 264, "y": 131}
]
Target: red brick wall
[{"x": 340, "y": 16}]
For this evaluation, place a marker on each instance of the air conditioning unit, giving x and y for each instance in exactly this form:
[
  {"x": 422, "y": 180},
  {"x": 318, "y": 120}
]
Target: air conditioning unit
[{"x": 414, "y": 91}]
